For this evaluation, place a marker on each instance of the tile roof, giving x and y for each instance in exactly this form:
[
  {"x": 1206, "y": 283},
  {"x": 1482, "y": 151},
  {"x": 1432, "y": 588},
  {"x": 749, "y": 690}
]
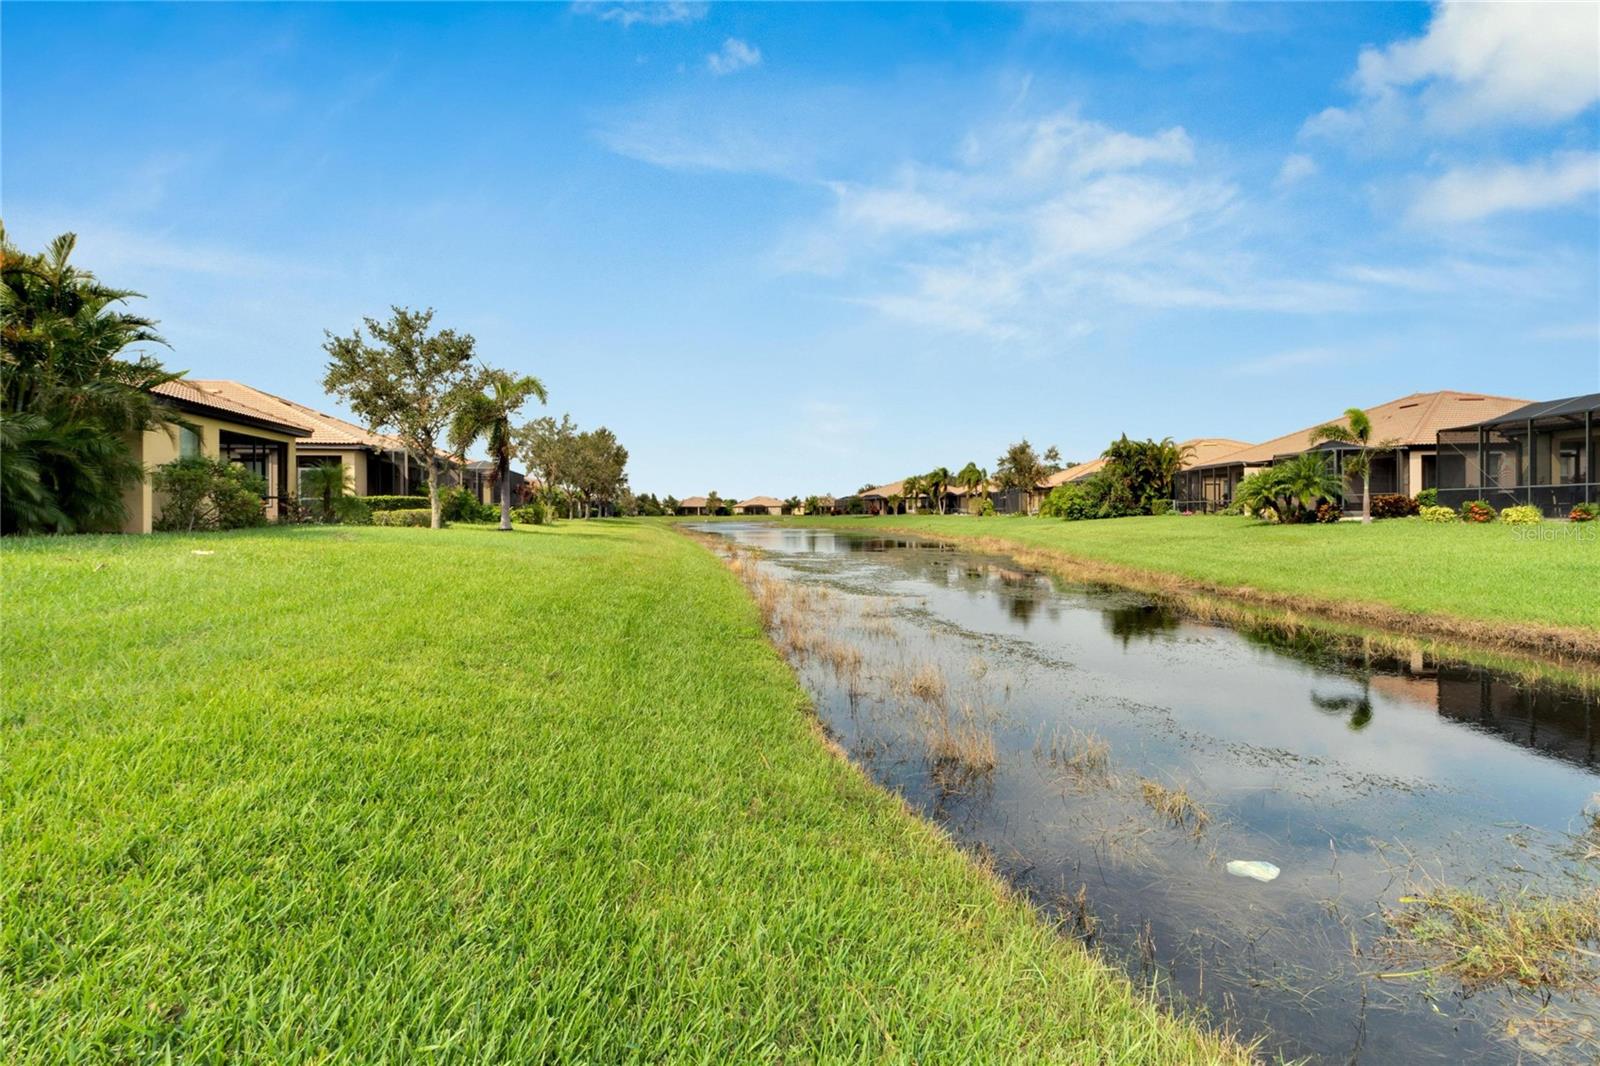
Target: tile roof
[
  {"x": 759, "y": 501},
  {"x": 693, "y": 501},
  {"x": 195, "y": 393},
  {"x": 327, "y": 430},
  {"x": 1411, "y": 420},
  {"x": 1205, "y": 449}
]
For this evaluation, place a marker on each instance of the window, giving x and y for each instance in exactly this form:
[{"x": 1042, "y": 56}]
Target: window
[{"x": 189, "y": 445}]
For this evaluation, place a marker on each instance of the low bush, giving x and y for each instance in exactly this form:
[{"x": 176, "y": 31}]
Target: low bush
[
  {"x": 532, "y": 513},
  {"x": 1522, "y": 515},
  {"x": 459, "y": 505},
  {"x": 206, "y": 493},
  {"x": 1426, "y": 498},
  {"x": 395, "y": 503},
  {"x": 1585, "y": 512},
  {"x": 986, "y": 509},
  {"x": 1329, "y": 512},
  {"x": 410, "y": 516},
  {"x": 1160, "y": 507},
  {"x": 1477, "y": 511},
  {"x": 1439, "y": 514},
  {"x": 352, "y": 511},
  {"x": 1393, "y": 505}
]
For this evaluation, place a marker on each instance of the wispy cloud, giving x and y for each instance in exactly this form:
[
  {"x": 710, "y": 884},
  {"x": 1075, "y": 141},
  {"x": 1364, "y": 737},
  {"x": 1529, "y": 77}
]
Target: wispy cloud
[
  {"x": 644, "y": 13},
  {"x": 1283, "y": 362},
  {"x": 1569, "y": 331},
  {"x": 1296, "y": 168},
  {"x": 1467, "y": 194},
  {"x": 734, "y": 55}
]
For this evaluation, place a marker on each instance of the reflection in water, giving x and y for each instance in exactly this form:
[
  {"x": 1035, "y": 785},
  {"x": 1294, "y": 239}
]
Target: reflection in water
[{"x": 1356, "y": 775}]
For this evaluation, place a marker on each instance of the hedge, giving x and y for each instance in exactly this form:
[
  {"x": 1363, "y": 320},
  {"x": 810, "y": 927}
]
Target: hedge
[
  {"x": 394, "y": 503},
  {"x": 409, "y": 516}
]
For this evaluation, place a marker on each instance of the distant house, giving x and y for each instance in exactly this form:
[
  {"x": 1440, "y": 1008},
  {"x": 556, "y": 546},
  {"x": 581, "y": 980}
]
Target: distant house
[
  {"x": 1198, "y": 486},
  {"x": 758, "y": 505},
  {"x": 693, "y": 505},
  {"x": 890, "y": 499},
  {"x": 221, "y": 427},
  {"x": 1539, "y": 453},
  {"x": 1413, "y": 422}
]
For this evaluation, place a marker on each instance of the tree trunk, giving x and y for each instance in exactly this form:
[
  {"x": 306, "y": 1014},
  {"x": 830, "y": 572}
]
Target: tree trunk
[
  {"x": 1366, "y": 495},
  {"x": 505, "y": 493},
  {"x": 433, "y": 496}
]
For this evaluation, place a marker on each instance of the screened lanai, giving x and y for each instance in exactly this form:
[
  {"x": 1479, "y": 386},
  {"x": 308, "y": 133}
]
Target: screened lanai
[{"x": 1541, "y": 454}]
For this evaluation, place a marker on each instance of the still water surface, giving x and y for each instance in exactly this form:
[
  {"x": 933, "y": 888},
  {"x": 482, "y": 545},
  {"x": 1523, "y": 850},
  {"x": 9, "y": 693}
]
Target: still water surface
[{"x": 1360, "y": 780}]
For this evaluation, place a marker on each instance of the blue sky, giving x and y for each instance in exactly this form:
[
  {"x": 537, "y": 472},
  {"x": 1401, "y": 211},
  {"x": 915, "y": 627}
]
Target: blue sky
[{"x": 796, "y": 248}]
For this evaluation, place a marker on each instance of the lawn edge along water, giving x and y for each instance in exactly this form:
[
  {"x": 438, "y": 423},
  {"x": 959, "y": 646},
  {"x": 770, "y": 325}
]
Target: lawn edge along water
[
  {"x": 384, "y": 795},
  {"x": 1333, "y": 590}
]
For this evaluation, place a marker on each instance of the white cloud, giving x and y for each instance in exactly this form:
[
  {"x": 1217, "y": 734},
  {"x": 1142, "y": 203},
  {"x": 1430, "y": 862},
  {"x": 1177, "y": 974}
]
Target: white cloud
[
  {"x": 734, "y": 55},
  {"x": 1467, "y": 194},
  {"x": 894, "y": 209},
  {"x": 1478, "y": 64},
  {"x": 1296, "y": 168},
  {"x": 648, "y": 13}
]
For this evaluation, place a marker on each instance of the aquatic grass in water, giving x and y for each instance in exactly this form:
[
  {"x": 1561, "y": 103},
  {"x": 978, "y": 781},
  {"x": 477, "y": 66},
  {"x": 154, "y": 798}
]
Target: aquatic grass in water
[
  {"x": 1525, "y": 938},
  {"x": 1175, "y": 805}
]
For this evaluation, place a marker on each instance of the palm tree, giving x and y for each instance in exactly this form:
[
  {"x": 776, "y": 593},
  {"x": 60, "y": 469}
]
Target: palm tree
[
  {"x": 972, "y": 477},
  {"x": 791, "y": 505},
  {"x": 487, "y": 412},
  {"x": 936, "y": 481},
  {"x": 70, "y": 398},
  {"x": 1356, "y": 430},
  {"x": 912, "y": 488},
  {"x": 1290, "y": 489},
  {"x": 325, "y": 482}
]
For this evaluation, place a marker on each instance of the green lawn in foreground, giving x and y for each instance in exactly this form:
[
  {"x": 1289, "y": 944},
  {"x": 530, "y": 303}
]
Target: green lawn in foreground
[
  {"x": 1549, "y": 576},
  {"x": 393, "y": 795}
]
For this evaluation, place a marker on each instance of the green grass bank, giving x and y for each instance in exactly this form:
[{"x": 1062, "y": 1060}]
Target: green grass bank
[
  {"x": 1534, "y": 585},
  {"x": 385, "y": 795}
]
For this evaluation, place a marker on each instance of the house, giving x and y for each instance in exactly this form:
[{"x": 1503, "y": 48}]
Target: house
[
  {"x": 693, "y": 505},
  {"x": 1413, "y": 422},
  {"x": 482, "y": 478},
  {"x": 890, "y": 499},
  {"x": 223, "y": 428},
  {"x": 375, "y": 463},
  {"x": 1198, "y": 487},
  {"x": 758, "y": 505},
  {"x": 1539, "y": 453}
]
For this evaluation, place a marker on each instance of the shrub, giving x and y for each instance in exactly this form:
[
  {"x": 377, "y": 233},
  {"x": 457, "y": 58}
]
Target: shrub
[
  {"x": 1329, "y": 512},
  {"x": 395, "y": 503},
  {"x": 207, "y": 493},
  {"x": 532, "y": 513},
  {"x": 1073, "y": 502},
  {"x": 1393, "y": 505},
  {"x": 1477, "y": 511},
  {"x": 1522, "y": 515},
  {"x": 408, "y": 516},
  {"x": 459, "y": 505},
  {"x": 1160, "y": 506},
  {"x": 352, "y": 511},
  {"x": 1439, "y": 514},
  {"x": 986, "y": 509},
  {"x": 1585, "y": 512},
  {"x": 1426, "y": 498}
]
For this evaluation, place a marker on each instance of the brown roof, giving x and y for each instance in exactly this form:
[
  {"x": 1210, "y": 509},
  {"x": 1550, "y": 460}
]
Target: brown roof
[
  {"x": 1410, "y": 420},
  {"x": 195, "y": 394},
  {"x": 759, "y": 501},
  {"x": 327, "y": 430},
  {"x": 1204, "y": 449},
  {"x": 693, "y": 501},
  {"x": 893, "y": 488},
  {"x": 1074, "y": 473}
]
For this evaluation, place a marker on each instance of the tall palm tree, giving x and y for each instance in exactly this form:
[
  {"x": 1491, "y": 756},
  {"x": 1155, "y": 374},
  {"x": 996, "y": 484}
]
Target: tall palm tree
[
  {"x": 936, "y": 481},
  {"x": 1356, "y": 429},
  {"x": 487, "y": 412},
  {"x": 972, "y": 477}
]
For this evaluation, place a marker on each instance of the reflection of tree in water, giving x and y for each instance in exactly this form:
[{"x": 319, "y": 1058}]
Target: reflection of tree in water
[
  {"x": 1358, "y": 707},
  {"x": 1147, "y": 620}
]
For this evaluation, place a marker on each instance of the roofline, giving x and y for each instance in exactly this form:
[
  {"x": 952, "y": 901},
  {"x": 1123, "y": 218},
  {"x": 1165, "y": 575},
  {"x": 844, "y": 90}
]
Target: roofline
[{"x": 224, "y": 414}]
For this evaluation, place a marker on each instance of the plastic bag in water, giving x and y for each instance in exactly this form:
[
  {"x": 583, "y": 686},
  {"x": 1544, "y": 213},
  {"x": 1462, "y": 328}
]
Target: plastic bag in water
[{"x": 1261, "y": 871}]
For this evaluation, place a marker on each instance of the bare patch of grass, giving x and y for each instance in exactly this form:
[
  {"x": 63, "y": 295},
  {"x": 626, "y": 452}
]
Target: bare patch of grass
[
  {"x": 1175, "y": 805},
  {"x": 1528, "y": 939}
]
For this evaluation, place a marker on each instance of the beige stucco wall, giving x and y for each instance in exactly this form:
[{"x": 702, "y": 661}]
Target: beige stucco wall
[{"x": 155, "y": 447}]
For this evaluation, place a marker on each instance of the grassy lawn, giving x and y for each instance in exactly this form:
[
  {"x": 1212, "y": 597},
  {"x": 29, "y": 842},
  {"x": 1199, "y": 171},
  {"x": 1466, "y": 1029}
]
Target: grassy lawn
[
  {"x": 390, "y": 795},
  {"x": 1475, "y": 572}
]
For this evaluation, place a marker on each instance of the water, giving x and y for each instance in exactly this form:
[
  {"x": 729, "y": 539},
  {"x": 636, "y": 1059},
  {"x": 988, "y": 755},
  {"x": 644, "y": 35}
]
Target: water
[{"x": 1361, "y": 780}]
